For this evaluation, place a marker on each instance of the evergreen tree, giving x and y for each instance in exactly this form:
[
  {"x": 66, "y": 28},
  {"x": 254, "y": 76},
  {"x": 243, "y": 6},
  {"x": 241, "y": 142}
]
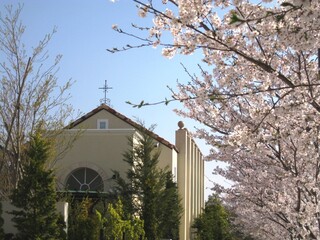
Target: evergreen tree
[
  {"x": 83, "y": 224},
  {"x": 170, "y": 209},
  {"x": 115, "y": 225},
  {"x": 150, "y": 191},
  {"x": 35, "y": 196},
  {"x": 215, "y": 223}
]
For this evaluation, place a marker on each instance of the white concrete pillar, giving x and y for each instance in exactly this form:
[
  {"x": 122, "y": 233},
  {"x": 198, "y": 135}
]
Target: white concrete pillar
[{"x": 190, "y": 180}]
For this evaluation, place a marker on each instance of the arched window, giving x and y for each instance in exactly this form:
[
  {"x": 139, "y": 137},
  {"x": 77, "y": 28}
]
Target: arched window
[{"x": 84, "y": 179}]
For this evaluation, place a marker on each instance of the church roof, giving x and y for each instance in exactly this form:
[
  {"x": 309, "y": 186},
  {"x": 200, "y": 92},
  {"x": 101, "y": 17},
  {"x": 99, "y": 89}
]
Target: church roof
[{"x": 123, "y": 118}]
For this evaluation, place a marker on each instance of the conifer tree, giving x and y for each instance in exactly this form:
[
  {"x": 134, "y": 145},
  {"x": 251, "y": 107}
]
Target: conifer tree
[
  {"x": 170, "y": 209},
  {"x": 83, "y": 224},
  {"x": 35, "y": 196},
  {"x": 149, "y": 191},
  {"x": 115, "y": 225},
  {"x": 215, "y": 223}
]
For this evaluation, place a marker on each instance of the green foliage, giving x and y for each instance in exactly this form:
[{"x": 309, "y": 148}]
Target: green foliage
[
  {"x": 215, "y": 224},
  {"x": 234, "y": 19},
  {"x": 116, "y": 226},
  {"x": 62, "y": 226},
  {"x": 150, "y": 191},
  {"x": 169, "y": 210},
  {"x": 1, "y": 223},
  {"x": 35, "y": 196},
  {"x": 83, "y": 223}
]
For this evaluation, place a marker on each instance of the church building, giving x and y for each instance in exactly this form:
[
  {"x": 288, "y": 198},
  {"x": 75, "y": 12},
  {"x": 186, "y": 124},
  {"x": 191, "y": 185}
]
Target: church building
[{"x": 98, "y": 149}]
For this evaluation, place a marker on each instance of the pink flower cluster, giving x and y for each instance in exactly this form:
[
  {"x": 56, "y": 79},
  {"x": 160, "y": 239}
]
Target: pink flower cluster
[{"x": 259, "y": 102}]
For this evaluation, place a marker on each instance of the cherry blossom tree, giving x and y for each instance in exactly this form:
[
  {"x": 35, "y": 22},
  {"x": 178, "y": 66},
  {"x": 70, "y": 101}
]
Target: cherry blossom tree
[{"x": 257, "y": 96}]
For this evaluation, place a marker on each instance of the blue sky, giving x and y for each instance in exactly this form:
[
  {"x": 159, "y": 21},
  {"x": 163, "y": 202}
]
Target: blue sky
[{"x": 84, "y": 32}]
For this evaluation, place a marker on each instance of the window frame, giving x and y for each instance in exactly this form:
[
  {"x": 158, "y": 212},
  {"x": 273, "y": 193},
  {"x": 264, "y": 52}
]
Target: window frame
[
  {"x": 99, "y": 121},
  {"x": 85, "y": 183}
]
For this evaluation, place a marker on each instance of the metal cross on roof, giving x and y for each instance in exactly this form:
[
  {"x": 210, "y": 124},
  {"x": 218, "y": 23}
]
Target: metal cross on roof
[{"x": 105, "y": 89}]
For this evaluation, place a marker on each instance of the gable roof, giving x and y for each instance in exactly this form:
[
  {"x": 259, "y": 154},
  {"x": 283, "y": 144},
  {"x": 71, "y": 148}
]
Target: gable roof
[{"x": 123, "y": 118}]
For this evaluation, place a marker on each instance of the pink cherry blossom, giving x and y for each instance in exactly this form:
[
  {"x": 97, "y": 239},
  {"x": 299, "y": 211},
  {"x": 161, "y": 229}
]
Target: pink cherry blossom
[{"x": 259, "y": 102}]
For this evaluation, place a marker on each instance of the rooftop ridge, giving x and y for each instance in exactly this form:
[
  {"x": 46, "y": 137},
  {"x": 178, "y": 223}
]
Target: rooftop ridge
[{"x": 123, "y": 118}]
